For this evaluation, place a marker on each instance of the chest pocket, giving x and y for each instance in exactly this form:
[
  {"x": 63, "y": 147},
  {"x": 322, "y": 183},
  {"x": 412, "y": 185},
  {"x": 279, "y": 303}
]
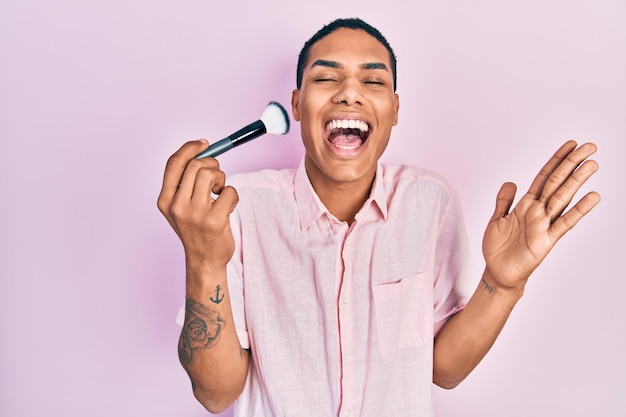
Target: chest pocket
[{"x": 403, "y": 313}]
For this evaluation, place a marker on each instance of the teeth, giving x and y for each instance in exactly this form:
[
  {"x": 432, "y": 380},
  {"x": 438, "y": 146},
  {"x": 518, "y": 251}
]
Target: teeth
[
  {"x": 348, "y": 124},
  {"x": 348, "y": 147}
]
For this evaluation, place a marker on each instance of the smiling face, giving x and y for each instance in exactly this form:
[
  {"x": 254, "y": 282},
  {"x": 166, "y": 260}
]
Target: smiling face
[{"x": 346, "y": 107}]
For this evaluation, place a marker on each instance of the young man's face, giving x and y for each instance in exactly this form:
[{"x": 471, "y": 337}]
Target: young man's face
[{"x": 346, "y": 82}]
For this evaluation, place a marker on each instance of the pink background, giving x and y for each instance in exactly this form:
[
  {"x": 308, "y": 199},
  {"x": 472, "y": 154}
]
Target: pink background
[{"x": 94, "y": 96}]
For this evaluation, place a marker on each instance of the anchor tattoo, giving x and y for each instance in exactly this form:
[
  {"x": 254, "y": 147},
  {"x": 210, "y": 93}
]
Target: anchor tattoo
[{"x": 217, "y": 298}]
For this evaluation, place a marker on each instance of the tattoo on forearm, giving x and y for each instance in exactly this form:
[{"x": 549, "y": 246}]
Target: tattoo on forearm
[
  {"x": 217, "y": 298},
  {"x": 487, "y": 286},
  {"x": 201, "y": 330}
]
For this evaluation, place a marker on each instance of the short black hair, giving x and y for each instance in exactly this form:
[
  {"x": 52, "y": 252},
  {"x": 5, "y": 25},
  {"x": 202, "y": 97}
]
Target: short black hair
[{"x": 347, "y": 23}]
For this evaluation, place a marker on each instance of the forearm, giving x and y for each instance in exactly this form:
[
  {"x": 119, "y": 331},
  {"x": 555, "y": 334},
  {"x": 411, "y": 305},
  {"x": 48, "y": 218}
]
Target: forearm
[
  {"x": 209, "y": 349},
  {"x": 465, "y": 339}
]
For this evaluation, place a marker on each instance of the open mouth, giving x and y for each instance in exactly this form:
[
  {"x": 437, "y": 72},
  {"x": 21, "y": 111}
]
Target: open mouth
[{"x": 347, "y": 134}]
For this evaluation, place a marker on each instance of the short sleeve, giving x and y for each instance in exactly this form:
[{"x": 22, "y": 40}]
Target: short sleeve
[
  {"x": 454, "y": 274},
  {"x": 234, "y": 271},
  {"x": 235, "y": 288}
]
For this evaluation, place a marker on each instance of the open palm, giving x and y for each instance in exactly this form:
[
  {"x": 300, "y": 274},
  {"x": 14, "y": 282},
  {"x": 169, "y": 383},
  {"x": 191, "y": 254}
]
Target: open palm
[{"x": 516, "y": 242}]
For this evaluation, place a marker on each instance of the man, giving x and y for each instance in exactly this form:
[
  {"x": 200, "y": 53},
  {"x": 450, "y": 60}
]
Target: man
[{"x": 319, "y": 291}]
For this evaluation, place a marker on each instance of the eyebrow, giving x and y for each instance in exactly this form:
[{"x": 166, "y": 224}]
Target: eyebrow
[{"x": 335, "y": 64}]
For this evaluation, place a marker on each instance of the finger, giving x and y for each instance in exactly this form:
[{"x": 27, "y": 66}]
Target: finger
[
  {"x": 175, "y": 168},
  {"x": 226, "y": 202},
  {"x": 207, "y": 180},
  {"x": 537, "y": 186},
  {"x": 210, "y": 168},
  {"x": 565, "y": 170},
  {"x": 568, "y": 220},
  {"x": 504, "y": 200},
  {"x": 563, "y": 196}
]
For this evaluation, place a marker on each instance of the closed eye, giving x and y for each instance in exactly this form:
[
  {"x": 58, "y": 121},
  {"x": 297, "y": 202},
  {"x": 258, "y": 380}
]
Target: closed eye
[{"x": 375, "y": 82}]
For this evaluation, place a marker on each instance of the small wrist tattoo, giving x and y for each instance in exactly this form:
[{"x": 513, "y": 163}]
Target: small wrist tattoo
[
  {"x": 487, "y": 286},
  {"x": 217, "y": 298}
]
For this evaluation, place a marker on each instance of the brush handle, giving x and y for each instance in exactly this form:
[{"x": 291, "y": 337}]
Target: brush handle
[
  {"x": 243, "y": 135},
  {"x": 216, "y": 148}
]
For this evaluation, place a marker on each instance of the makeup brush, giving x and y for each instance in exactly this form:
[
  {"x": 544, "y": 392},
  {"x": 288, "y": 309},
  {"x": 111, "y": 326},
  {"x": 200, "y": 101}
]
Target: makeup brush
[{"x": 274, "y": 120}]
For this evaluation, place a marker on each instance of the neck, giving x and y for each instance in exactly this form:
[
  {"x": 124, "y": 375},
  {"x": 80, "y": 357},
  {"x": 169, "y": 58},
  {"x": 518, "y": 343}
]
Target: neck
[{"x": 343, "y": 199}]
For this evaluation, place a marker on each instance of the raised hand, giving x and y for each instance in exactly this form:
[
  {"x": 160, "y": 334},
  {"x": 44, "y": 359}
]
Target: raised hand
[
  {"x": 197, "y": 204},
  {"x": 516, "y": 242}
]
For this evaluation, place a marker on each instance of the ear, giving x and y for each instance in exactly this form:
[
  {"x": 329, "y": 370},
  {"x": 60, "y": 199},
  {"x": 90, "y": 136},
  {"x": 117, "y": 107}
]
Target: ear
[
  {"x": 295, "y": 104},
  {"x": 396, "y": 109}
]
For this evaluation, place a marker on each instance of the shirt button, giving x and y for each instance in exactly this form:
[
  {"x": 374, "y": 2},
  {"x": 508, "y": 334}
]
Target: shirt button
[
  {"x": 344, "y": 300},
  {"x": 348, "y": 413}
]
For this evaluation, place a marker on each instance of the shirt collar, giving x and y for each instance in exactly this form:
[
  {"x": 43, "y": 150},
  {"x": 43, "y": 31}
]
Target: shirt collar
[
  {"x": 378, "y": 196},
  {"x": 310, "y": 207}
]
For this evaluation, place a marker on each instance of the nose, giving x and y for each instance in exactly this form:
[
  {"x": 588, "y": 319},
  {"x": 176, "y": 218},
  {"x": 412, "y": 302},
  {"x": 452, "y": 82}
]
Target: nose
[{"x": 349, "y": 93}]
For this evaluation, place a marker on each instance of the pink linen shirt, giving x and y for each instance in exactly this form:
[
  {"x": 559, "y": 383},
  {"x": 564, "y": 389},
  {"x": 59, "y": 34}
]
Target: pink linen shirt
[{"x": 340, "y": 318}]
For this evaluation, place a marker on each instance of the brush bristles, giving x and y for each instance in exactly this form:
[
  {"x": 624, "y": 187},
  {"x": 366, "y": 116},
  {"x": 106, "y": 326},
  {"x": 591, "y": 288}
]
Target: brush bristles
[{"x": 275, "y": 119}]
